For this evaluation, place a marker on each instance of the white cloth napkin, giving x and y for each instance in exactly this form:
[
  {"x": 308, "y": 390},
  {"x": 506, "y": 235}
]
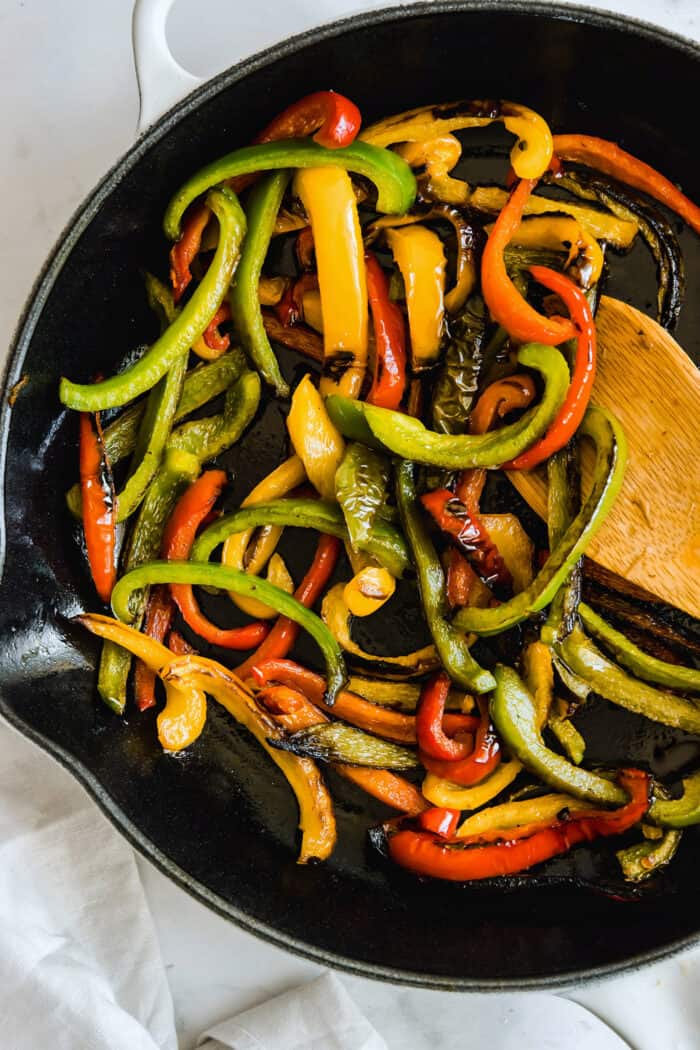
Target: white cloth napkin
[{"x": 80, "y": 966}]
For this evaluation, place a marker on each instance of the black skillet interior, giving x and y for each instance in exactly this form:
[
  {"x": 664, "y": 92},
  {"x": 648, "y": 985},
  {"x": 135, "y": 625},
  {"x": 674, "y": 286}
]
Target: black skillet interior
[{"x": 219, "y": 819}]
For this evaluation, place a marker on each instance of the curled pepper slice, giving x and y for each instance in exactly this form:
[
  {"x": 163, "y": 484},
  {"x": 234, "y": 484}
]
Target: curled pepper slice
[
  {"x": 389, "y": 382},
  {"x": 186, "y": 249},
  {"x": 430, "y": 733},
  {"x": 99, "y": 505},
  {"x": 316, "y": 440},
  {"x": 466, "y": 528},
  {"x": 479, "y": 762},
  {"x": 332, "y": 119}
]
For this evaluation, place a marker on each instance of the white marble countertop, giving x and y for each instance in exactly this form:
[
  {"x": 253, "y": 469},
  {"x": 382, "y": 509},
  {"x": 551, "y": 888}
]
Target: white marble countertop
[{"x": 70, "y": 108}]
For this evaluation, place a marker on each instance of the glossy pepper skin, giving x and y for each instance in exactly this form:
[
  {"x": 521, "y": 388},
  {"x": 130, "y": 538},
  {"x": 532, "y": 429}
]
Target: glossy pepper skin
[
  {"x": 332, "y": 119},
  {"x": 389, "y": 381},
  {"x": 480, "y": 761},
  {"x": 571, "y": 413},
  {"x": 506, "y": 305},
  {"x": 419, "y": 254},
  {"x": 156, "y": 625},
  {"x": 465, "y": 528},
  {"x": 394, "y": 180},
  {"x": 187, "y": 248},
  {"x": 609, "y": 158},
  {"x": 432, "y": 738},
  {"x": 508, "y": 851},
  {"x": 192, "y": 508},
  {"x": 450, "y": 644},
  {"x": 99, "y": 505},
  {"x": 187, "y": 327}
]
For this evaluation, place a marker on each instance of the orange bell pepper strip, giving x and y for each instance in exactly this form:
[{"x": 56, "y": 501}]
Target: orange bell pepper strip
[
  {"x": 99, "y": 505},
  {"x": 479, "y": 763},
  {"x": 192, "y": 508},
  {"x": 609, "y": 158},
  {"x": 571, "y": 413},
  {"x": 389, "y": 382},
  {"x": 506, "y": 305},
  {"x": 185, "y": 250}
]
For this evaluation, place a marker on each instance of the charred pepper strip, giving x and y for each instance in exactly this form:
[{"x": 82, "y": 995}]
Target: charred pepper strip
[
  {"x": 386, "y": 543},
  {"x": 451, "y": 645},
  {"x": 185, "y": 329},
  {"x": 506, "y": 305},
  {"x": 609, "y": 158},
  {"x": 604, "y": 430},
  {"x": 98, "y": 502},
  {"x": 463, "y": 525},
  {"x": 262, "y": 207},
  {"x": 394, "y": 180},
  {"x": 159, "y": 617},
  {"x": 389, "y": 382},
  {"x": 568, "y": 419},
  {"x": 478, "y": 764},
  {"x": 223, "y": 578},
  {"x": 408, "y": 438}
]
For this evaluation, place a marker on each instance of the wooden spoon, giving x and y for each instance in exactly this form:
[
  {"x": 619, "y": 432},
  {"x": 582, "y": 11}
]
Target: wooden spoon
[{"x": 652, "y": 535}]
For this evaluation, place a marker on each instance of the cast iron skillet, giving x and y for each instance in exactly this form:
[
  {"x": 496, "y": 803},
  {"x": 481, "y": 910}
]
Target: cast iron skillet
[{"x": 219, "y": 820}]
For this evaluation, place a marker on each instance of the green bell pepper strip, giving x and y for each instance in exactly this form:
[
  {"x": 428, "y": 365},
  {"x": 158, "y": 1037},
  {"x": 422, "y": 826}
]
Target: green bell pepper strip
[
  {"x": 187, "y": 327},
  {"x": 409, "y": 438},
  {"x": 361, "y": 483},
  {"x": 563, "y": 504},
  {"x": 644, "y": 859},
  {"x": 395, "y": 182},
  {"x": 202, "y": 384},
  {"x": 207, "y": 438},
  {"x": 514, "y": 715},
  {"x": 225, "y": 578},
  {"x": 338, "y": 742},
  {"x": 611, "y": 454},
  {"x": 636, "y": 660},
  {"x": 679, "y": 812},
  {"x": 261, "y": 212},
  {"x": 450, "y": 643},
  {"x": 176, "y": 472},
  {"x": 605, "y": 678},
  {"x": 385, "y": 543}
]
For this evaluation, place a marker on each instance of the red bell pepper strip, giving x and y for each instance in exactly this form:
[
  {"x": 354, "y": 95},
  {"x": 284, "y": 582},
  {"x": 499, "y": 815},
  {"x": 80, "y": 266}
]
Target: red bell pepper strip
[
  {"x": 99, "y": 505},
  {"x": 512, "y": 850},
  {"x": 609, "y": 158},
  {"x": 186, "y": 248},
  {"x": 193, "y": 506},
  {"x": 354, "y": 709},
  {"x": 332, "y": 119},
  {"x": 430, "y": 734},
  {"x": 479, "y": 763},
  {"x": 506, "y": 305},
  {"x": 179, "y": 645},
  {"x": 294, "y": 711},
  {"x": 571, "y": 413},
  {"x": 460, "y": 577},
  {"x": 212, "y": 336},
  {"x": 440, "y": 820},
  {"x": 285, "y": 632},
  {"x": 389, "y": 382},
  {"x": 159, "y": 616},
  {"x": 466, "y": 529}
]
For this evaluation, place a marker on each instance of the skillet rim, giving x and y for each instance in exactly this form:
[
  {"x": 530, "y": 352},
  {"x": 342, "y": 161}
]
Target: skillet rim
[{"x": 12, "y": 370}]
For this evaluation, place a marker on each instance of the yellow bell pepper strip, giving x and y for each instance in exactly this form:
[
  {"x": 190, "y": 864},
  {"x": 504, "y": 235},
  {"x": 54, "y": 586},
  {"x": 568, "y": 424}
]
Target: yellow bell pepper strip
[
  {"x": 659, "y": 672},
  {"x": 542, "y": 809},
  {"x": 645, "y": 859},
  {"x": 562, "y": 233},
  {"x": 566, "y": 733},
  {"x": 278, "y": 483},
  {"x": 316, "y": 818},
  {"x": 279, "y": 575},
  {"x": 583, "y": 658},
  {"x": 452, "y": 646},
  {"x": 515, "y": 716},
  {"x": 336, "y": 616},
  {"x": 316, "y": 440},
  {"x": 408, "y": 438},
  {"x": 514, "y": 545},
  {"x": 438, "y": 156},
  {"x": 329, "y": 201},
  {"x": 539, "y": 678},
  {"x": 220, "y": 576},
  {"x": 609, "y": 158},
  {"x": 262, "y": 207},
  {"x": 446, "y": 794},
  {"x": 530, "y": 155},
  {"x": 386, "y": 543},
  {"x": 619, "y": 233},
  {"x": 403, "y": 696},
  {"x": 369, "y": 590},
  {"x": 420, "y": 256},
  {"x": 190, "y": 323},
  {"x": 611, "y": 454},
  {"x": 394, "y": 180},
  {"x": 182, "y": 719}
]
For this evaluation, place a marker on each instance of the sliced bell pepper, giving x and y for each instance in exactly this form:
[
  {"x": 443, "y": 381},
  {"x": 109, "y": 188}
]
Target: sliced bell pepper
[
  {"x": 438, "y": 156},
  {"x": 369, "y": 590},
  {"x": 394, "y": 180},
  {"x": 443, "y": 792},
  {"x": 337, "y": 742},
  {"x": 361, "y": 483},
  {"x": 465, "y": 528},
  {"x": 389, "y": 381},
  {"x": 679, "y": 812},
  {"x": 332, "y": 119},
  {"x": 156, "y": 625},
  {"x": 329, "y": 202},
  {"x": 645, "y": 859},
  {"x": 514, "y": 814},
  {"x": 479, "y": 762},
  {"x": 506, "y": 305},
  {"x": 441, "y": 821},
  {"x": 315, "y": 438},
  {"x": 98, "y": 505},
  {"x": 430, "y": 733},
  {"x": 408, "y": 438},
  {"x": 187, "y": 248},
  {"x": 563, "y": 233},
  {"x": 609, "y": 158},
  {"x": 420, "y": 256},
  {"x": 190, "y": 323}
]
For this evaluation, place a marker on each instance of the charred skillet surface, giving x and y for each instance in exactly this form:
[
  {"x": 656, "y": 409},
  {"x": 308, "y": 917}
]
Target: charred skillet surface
[{"x": 219, "y": 820}]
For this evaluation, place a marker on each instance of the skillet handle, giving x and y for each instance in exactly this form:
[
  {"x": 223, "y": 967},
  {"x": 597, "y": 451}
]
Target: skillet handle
[{"x": 161, "y": 80}]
